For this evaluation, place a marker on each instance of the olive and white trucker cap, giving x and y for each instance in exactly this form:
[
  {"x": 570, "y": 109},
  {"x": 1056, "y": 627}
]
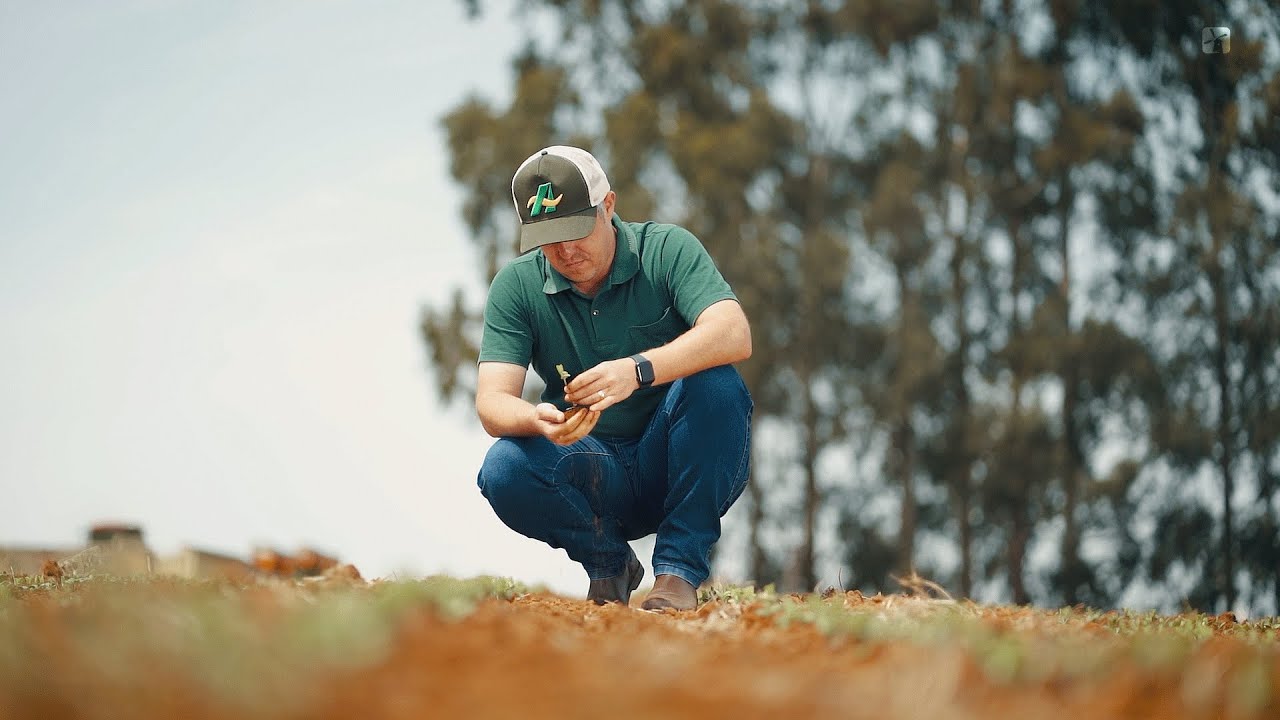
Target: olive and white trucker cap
[{"x": 556, "y": 192}]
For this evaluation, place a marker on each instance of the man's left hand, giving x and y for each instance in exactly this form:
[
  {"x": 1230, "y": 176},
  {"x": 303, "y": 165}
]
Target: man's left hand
[{"x": 604, "y": 385}]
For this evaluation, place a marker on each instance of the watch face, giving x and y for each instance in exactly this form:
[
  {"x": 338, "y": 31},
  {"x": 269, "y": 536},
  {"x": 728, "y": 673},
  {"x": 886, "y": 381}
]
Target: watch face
[{"x": 644, "y": 372}]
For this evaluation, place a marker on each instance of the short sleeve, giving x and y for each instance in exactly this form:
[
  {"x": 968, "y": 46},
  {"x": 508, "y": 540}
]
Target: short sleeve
[
  {"x": 692, "y": 276},
  {"x": 508, "y": 330}
]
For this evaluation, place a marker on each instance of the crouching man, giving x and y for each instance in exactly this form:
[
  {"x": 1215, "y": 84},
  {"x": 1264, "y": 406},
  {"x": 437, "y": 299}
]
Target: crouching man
[{"x": 644, "y": 426}]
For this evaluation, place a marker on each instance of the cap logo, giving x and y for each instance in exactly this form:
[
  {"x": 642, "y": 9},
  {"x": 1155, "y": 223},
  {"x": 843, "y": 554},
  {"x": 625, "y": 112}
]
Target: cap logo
[{"x": 542, "y": 202}]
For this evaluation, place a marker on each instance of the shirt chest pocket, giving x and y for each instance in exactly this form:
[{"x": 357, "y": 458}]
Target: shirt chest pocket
[{"x": 660, "y": 332}]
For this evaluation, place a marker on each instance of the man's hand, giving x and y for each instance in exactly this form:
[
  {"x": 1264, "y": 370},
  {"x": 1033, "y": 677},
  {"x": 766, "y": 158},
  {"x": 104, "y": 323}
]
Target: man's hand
[
  {"x": 564, "y": 428},
  {"x": 604, "y": 385}
]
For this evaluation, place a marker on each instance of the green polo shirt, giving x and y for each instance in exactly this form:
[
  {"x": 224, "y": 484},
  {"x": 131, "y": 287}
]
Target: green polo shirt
[{"x": 661, "y": 280}]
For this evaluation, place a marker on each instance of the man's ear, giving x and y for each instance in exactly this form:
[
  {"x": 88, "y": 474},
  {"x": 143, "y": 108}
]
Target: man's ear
[{"x": 610, "y": 198}]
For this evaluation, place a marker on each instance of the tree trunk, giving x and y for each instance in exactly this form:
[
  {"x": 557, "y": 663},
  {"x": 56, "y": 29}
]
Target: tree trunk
[
  {"x": 1020, "y": 523},
  {"x": 1266, "y": 492},
  {"x": 757, "y": 564},
  {"x": 1071, "y": 572},
  {"x": 903, "y": 435},
  {"x": 1268, "y": 484},
  {"x": 904, "y": 439},
  {"x": 814, "y": 219},
  {"x": 966, "y": 531},
  {"x": 960, "y": 471},
  {"x": 1225, "y": 442},
  {"x": 1218, "y": 89},
  {"x": 807, "y": 573},
  {"x": 1071, "y": 569},
  {"x": 1020, "y": 520}
]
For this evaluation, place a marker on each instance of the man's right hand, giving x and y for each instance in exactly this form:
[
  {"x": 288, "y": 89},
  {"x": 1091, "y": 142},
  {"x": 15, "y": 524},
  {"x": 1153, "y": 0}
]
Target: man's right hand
[{"x": 564, "y": 428}]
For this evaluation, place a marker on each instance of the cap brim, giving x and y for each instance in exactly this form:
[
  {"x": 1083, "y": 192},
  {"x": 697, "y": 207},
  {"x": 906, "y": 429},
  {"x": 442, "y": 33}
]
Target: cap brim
[{"x": 561, "y": 229}]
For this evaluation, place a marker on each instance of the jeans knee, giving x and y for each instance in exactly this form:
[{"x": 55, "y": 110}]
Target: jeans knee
[
  {"x": 506, "y": 466},
  {"x": 720, "y": 387}
]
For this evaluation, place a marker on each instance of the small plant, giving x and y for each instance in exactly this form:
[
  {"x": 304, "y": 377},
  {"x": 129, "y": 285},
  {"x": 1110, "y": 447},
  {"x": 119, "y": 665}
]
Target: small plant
[{"x": 737, "y": 594}]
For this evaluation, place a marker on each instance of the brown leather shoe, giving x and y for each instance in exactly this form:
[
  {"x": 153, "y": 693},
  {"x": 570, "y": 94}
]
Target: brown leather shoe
[
  {"x": 671, "y": 591},
  {"x": 617, "y": 589}
]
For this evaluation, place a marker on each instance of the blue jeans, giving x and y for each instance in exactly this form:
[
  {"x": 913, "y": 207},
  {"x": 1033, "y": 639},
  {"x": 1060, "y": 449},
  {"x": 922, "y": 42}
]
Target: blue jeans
[{"x": 677, "y": 479}]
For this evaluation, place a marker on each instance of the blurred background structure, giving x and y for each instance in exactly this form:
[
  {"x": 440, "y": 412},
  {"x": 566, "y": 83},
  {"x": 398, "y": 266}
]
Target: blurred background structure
[
  {"x": 1012, "y": 268},
  {"x": 121, "y": 550}
]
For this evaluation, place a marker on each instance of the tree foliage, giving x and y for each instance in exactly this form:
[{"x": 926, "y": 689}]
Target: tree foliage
[{"x": 1012, "y": 270}]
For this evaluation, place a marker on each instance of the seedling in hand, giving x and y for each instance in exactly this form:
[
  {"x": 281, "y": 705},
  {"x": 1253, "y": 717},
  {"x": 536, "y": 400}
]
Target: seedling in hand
[{"x": 565, "y": 377}]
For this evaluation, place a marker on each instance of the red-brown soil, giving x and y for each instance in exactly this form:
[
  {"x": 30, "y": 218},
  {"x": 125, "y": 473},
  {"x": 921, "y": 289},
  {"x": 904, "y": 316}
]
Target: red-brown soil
[{"x": 541, "y": 656}]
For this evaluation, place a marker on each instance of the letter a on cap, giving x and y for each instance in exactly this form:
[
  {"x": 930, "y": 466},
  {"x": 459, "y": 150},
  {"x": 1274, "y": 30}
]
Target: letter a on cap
[{"x": 542, "y": 202}]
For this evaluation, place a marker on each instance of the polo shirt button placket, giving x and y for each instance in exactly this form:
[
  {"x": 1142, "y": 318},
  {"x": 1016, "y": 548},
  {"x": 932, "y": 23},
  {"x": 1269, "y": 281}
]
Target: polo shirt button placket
[{"x": 595, "y": 312}]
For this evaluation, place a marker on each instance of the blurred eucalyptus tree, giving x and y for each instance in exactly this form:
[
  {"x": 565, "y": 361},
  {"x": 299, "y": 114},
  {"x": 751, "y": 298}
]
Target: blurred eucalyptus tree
[{"x": 997, "y": 278}]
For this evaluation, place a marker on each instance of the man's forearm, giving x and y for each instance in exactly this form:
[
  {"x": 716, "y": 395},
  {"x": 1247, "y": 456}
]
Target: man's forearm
[
  {"x": 504, "y": 415},
  {"x": 721, "y": 341}
]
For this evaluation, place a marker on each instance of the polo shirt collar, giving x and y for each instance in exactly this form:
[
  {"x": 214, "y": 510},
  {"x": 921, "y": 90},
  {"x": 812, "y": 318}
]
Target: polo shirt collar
[{"x": 626, "y": 262}]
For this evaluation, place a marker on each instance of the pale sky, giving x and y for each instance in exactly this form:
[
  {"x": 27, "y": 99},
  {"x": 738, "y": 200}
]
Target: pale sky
[{"x": 218, "y": 223}]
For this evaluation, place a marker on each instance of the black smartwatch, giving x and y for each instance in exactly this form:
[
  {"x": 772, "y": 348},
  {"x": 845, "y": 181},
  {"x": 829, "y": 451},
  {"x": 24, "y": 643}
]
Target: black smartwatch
[{"x": 644, "y": 370}]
